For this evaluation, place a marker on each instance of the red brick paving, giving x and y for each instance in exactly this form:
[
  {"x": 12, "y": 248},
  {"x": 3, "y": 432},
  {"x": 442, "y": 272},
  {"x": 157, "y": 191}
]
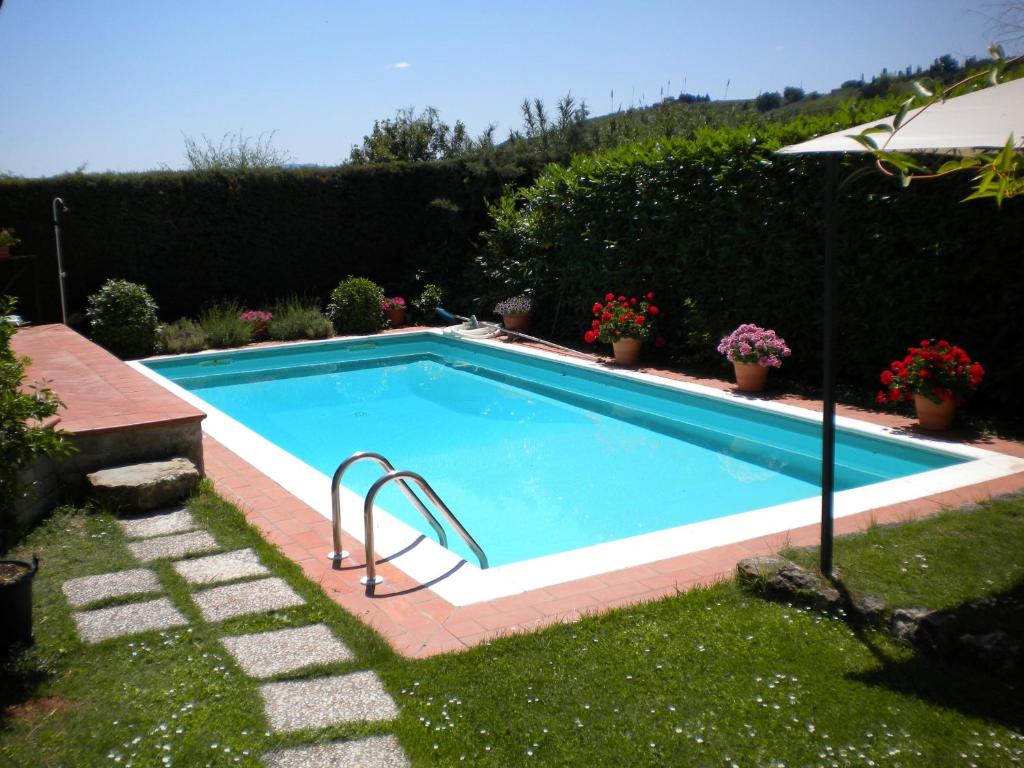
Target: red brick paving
[{"x": 103, "y": 393}]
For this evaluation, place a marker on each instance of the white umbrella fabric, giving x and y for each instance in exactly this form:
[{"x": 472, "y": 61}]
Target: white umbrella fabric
[{"x": 982, "y": 120}]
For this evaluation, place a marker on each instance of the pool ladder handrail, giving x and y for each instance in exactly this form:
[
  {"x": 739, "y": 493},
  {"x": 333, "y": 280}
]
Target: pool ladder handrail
[{"x": 399, "y": 476}]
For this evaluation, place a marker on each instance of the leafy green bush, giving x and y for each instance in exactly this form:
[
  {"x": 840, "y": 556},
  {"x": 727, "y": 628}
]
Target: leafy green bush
[
  {"x": 181, "y": 336},
  {"x": 355, "y": 306},
  {"x": 297, "y": 318},
  {"x": 123, "y": 318},
  {"x": 23, "y": 438},
  {"x": 223, "y": 325},
  {"x": 430, "y": 299}
]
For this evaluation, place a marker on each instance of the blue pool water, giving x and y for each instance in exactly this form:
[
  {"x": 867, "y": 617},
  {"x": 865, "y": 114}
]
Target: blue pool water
[{"x": 535, "y": 457}]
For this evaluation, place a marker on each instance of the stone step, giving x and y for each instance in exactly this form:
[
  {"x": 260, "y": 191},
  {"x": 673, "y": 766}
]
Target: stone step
[
  {"x": 143, "y": 487},
  {"x": 368, "y": 752}
]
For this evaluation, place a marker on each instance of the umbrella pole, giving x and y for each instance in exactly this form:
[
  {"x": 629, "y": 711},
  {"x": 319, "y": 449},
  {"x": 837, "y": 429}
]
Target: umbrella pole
[{"x": 828, "y": 426}]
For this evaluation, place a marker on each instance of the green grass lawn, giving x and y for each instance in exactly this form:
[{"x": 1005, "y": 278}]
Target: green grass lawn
[{"x": 712, "y": 677}]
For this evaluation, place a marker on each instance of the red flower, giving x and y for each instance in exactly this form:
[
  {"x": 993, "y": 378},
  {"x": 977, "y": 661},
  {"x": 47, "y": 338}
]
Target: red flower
[
  {"x": 590, "y": 337},
  {"x": 622, "y": 299},
  {"x": 640, "y": 319},
  {"x": 976, "y": 371},
  {"x": 609, "y": 297},
  {"x": 596, "y": 324},
  {"x": 606, "y": 317},
  {"x": 894, "y": 395},
  {"x": 881, "y": 398},
  {"x": 650, "y": 296},
  {"x": 653, "y": 310},
  {"x": 596, "y": 309},
  {"x": 925, "y": 342},
  {"x": 632, "y": 301},
  {"x": 924, "y": 373},
  {"x": 886, "y": 377}
]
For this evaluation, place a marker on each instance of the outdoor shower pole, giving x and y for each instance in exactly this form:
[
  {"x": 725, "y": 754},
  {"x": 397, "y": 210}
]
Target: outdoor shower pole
[
  {"x": 828, "y": 408},
  {"x": 58, "y": 208}
]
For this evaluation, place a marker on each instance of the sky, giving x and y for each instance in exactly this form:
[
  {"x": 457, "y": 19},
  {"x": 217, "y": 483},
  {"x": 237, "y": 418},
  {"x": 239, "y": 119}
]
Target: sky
[{"x": 117, "y": 85}]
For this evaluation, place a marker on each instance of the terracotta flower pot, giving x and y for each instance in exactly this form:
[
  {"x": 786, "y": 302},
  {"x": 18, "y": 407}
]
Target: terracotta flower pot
[
  {"x": 935, "y": 417},
  {"x": 627, "y": 351},
  {"x": 517, "y": 321},
  {"x": 750, "y": 377},
  {"x": 396, "y": 317}
]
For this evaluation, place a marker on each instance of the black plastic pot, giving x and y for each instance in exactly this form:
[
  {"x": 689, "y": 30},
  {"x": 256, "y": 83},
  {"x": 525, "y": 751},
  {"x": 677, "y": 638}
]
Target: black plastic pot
[{"x": 16, "y": 606}]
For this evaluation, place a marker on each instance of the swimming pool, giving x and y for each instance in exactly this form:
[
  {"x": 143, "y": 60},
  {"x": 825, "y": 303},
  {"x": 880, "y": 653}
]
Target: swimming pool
[{"x": 537, "y": 456}]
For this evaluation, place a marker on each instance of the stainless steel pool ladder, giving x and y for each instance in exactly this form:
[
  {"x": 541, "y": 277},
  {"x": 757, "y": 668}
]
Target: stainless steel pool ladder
[{"x": 400, "y": 477}]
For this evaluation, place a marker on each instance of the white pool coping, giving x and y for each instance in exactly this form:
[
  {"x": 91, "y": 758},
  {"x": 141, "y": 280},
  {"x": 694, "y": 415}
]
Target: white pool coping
[{"x": 464, "y": 583}]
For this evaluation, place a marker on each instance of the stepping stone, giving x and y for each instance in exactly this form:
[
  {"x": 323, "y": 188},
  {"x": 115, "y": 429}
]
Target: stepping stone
[
  {"x": 265, "y": 654},
  {"x": 91, "y": 589},
  {"x": 145, "y": 486},
  {"x": 325, "y": 701},
  {"x": 130, "y": 619},
  {"x": 173, "y": 546},
  {"x": 260, "y": 596},
  {"x": 158, "y": 524},
  {"x": 225, "y": 567},
  {"x": 371, "y": 752}
]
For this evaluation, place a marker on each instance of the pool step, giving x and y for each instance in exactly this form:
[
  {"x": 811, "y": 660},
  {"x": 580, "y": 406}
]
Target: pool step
[{"x": 146, "y": 486}]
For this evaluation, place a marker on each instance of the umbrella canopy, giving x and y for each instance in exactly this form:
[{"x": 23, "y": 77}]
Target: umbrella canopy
[{"x": 963, "y": 125}]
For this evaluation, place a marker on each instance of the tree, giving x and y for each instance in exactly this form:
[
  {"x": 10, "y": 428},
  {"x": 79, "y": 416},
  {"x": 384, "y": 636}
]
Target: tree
[
  {"x": 416, "y": 138},
  {"x": 236, "y": 152},
  {"x": 791, "y": 93},
  {"x": 767, "y": 101}
]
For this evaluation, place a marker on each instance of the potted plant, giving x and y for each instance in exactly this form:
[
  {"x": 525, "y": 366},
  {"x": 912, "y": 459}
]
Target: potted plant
[
  {"x": 625, "y": 323},
  {"x": 753, "y": 350},
  {"x": 16, "y": 602},
  {"x": 394, "y": 308},
  {"x": 7, "y": 240},
  {"x": 259, "y": 323},
  {"x": 515, "y": 312},
  {"x": 937, "y": 376}
]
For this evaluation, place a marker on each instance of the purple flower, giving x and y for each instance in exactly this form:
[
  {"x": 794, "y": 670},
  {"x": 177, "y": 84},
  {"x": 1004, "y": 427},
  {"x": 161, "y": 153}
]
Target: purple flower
[{"x": 750, "y": 343}]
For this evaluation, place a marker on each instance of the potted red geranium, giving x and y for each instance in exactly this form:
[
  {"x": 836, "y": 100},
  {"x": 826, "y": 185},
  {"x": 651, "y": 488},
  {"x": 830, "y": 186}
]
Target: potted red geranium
[
  {"x": 625, "y": 323},
  {"x": 937, "y": 376},
  {"x": 394, "y": 308}
]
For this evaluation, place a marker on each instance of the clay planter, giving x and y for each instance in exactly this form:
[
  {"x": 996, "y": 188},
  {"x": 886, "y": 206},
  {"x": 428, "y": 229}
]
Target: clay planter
[
  {"x": 16, "y": 602},
  {"x": 750, "y": 377},
  {"x": 517, "y": 321},
  {"x": 627, "y": 351},
  {"x": 935, "y": 417},
  {"x": 396, "y": 317}
]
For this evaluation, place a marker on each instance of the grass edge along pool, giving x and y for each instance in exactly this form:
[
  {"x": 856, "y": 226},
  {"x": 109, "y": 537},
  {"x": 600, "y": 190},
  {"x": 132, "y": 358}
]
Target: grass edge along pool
[{"x": 736, "y": 429}]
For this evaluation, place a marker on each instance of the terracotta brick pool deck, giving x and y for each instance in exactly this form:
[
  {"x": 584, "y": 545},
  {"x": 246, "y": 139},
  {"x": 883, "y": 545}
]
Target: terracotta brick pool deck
[{"x": 413, "y": 618}]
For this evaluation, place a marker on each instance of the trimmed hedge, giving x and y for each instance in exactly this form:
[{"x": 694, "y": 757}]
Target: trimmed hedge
[
  {"x": 192, "y": 238},
  {"x": 726, "y": 232}
]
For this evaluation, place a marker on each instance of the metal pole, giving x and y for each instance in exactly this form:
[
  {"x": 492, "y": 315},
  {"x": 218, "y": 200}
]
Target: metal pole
[
  {"x": 58, "y": 208},
  {"x": 828, "y": 415}
]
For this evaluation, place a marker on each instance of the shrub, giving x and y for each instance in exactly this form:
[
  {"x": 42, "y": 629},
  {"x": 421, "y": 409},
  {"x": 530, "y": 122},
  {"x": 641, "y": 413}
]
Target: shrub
[
  {"x": 258, "y": 321},
  {"x": 297, "y": 318},
  {"x": 431, "y": 298},
  {"x": 223, "y": 325},
  {"x": 181, "y": 336},
  {"x": 123, "y": 318},
  {"x": 356, "y": 306},
  {"x": 23, "y": 438}
]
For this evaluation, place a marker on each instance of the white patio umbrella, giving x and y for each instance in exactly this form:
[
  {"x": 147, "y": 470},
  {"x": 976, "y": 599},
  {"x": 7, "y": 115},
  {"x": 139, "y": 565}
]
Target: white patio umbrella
[{"x": 962, "y": 125}]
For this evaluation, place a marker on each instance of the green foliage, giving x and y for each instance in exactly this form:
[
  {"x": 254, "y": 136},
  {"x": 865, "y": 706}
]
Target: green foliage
[
  {"x": 123, "y": 318},
  {"x": 181, "y": 336},
  {"x": 355, "y": 306},
  {"x": 723, "y": 230},
  {"x": 429, "y": 300},
  {"x": 768, "y": 100},
  {"x": 416, "y": 138},
  {"x": 791, "y": 93},
  {"x": 297, "y": 318},
  {"x": 23, "y": 436},
  {"x": 235, "y": 153},
  {"x": 7, "y": 237},
  {"x": 222, "y": 325}
]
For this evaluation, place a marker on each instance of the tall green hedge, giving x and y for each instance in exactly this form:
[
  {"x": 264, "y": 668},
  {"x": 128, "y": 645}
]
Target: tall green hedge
[
  {"x": 724, "y": 231},
  {"x": 195, "y": 237}
]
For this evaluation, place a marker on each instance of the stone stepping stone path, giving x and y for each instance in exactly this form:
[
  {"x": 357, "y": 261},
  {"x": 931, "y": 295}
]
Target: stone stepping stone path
[
  {"x": 158, "y": 524},
  {"x": 260, "y": 596},
  {"x": 130, "y": 619},
  {"x": 371, "y": 752},
  {"x": 320, "y": 702},
  {"x": 228, "y": 566},
  {"x": 174, "y": 546},
  {"x": 92, "y": 589},
  {"x": 266, "y": 654},
  {"x": 290, "y": 705}
]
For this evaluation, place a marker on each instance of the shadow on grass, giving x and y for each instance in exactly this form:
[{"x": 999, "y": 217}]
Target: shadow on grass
[
  {"x": 941, "y": 672},
  {"x": 20, "y": 678}
]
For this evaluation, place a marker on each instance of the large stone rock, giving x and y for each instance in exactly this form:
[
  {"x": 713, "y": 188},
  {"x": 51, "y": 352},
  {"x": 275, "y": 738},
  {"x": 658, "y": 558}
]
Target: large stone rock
[
  {"x": 905, "y": 622},
  {"x": 997, "y": 651},
  {"x": 793, "y": 581},
  {"x": 759, "y": 568},
  {"x": 142, "y": 487},
  {"x": 870, "y": 609}
]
